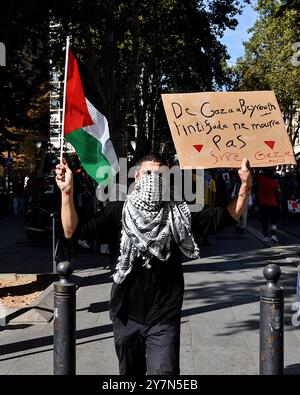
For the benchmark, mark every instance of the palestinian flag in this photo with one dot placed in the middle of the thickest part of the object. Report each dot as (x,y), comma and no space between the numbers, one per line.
(85,127)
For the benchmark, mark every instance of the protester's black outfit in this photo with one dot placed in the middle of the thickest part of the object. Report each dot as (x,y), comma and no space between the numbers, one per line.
(146,307)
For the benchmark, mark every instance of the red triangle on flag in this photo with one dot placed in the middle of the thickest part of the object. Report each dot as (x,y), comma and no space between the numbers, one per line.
(270,143)
(198,147)
(76,113)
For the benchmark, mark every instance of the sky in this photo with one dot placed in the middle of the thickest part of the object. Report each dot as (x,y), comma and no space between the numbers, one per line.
(233,39)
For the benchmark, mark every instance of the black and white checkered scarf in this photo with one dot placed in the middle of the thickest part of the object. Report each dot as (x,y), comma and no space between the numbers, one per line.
(149,225)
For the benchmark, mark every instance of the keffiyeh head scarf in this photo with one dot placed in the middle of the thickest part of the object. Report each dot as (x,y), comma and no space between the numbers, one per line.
(150,224)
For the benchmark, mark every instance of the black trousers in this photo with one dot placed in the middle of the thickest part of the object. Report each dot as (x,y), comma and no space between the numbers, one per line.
(269,214)
(145,349)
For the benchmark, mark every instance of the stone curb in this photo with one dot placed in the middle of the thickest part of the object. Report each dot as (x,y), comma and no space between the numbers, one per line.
(40,311)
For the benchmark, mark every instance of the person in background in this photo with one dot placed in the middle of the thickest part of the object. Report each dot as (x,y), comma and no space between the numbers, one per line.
(2,198)
(222,198)
(288,188)
(33,190)
(268,201)
(18,193)
(210,192)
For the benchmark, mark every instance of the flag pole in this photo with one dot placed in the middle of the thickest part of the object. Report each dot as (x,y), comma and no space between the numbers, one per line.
(64,99)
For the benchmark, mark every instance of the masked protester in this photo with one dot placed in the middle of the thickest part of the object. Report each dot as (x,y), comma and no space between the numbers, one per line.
(147,236)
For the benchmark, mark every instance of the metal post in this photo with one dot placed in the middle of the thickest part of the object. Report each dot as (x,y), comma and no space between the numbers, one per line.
(64,322)
(271,323)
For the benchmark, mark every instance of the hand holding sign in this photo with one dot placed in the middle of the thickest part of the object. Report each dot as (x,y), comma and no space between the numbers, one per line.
(245,173)
(237,206)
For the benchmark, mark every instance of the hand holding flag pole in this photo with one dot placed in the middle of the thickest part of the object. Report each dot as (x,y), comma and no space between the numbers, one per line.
(64,99)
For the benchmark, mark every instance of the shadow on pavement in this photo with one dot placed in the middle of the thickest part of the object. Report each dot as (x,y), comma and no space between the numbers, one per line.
(48,340)
(96,307)
(292,369)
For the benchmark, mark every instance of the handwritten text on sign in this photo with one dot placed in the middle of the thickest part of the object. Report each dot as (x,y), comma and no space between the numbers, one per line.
(219,129)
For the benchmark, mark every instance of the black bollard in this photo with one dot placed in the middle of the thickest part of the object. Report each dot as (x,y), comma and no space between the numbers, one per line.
(271,323)
(64,360)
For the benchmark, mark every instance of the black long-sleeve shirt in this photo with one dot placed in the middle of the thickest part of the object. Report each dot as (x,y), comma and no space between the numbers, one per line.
(156,294)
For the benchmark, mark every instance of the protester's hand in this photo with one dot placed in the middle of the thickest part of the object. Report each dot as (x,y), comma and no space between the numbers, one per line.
(245,173)
(64,177)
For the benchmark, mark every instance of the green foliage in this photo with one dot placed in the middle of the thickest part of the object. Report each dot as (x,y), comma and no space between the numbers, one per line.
(24,93)
(136,50)
(267,64)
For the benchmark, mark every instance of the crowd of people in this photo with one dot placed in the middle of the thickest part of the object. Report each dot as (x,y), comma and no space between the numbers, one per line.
(18,193)
(272,194)
(273,191)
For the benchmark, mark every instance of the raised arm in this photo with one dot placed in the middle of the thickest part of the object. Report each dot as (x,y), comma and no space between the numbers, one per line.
(237,206)
(64,180)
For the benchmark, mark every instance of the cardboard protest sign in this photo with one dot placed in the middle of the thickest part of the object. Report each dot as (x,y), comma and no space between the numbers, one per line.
(219,129)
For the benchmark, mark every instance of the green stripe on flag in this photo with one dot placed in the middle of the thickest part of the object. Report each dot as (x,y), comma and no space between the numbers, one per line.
(90,153)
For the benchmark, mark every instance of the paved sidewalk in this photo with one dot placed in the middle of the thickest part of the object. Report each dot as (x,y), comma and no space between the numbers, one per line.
(220,317)
(18,254)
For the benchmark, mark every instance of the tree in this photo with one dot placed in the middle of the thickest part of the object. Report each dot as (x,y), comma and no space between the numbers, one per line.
(136,50)
(24,93)
(268,65)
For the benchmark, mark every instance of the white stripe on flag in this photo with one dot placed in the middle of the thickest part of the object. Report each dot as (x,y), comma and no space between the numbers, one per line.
(100,131)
